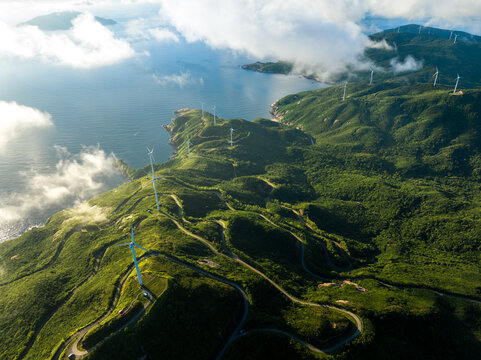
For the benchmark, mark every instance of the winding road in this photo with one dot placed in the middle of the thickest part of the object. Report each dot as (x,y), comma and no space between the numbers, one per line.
(72,343)
(232,257)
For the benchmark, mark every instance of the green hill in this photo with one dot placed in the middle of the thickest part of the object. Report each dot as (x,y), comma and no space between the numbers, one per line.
(432,48)
(349,215)
(412,129)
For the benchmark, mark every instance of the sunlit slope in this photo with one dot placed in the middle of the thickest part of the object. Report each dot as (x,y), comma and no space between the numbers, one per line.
(415,129)
(307,222)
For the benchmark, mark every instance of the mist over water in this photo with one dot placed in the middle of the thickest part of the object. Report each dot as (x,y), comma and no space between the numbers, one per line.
(120,110)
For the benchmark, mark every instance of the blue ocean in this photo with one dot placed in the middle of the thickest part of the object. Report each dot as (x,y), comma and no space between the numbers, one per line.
(120,109)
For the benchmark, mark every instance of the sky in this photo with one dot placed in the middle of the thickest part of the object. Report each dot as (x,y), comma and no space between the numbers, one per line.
(321,36)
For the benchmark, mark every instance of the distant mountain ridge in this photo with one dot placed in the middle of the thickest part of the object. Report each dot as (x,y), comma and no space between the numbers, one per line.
(442,33)
(60,21)
(431,47)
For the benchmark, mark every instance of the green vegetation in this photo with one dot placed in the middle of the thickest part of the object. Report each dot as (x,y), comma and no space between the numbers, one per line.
(369,205)
(432,48)
(279,67)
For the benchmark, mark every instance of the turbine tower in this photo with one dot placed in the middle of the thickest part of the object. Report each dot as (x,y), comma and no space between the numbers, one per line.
(455,38)
(202,109)
(420,29)
(450,35)
(231,131)
(151,156)
(214,114)
(132,246)
(344,95)
(372,73)
(436,76)
(456,86)
(188,147)
(398,30)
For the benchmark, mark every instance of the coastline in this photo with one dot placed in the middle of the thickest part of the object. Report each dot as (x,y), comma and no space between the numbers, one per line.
(168,128)
(249,67)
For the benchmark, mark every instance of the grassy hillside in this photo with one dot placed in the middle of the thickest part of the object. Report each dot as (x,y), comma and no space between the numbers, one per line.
(374,210)
(279,67)
(434,49)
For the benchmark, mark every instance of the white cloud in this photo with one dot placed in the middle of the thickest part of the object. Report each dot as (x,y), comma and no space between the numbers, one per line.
(15,119)
(383,45)
(163,35)
(84,213)
(75,179)
(88,44)
(314,36)
(181,80)
(322,36)
(143,29)
(408,65)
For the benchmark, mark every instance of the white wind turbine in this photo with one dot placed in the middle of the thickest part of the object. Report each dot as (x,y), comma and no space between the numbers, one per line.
(436,76)
(188,147)
(344,95)
(457,82)
(455,38)
(132,245)
(231,132)
(214,114)
(151,156)
(372,73)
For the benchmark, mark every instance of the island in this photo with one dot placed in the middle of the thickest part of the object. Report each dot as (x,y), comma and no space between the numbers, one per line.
(59,21)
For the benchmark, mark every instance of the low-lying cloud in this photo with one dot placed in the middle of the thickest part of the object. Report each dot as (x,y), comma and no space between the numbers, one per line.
(409,64)
(319,36)
(181,80)
(88,44)
(316,37)
(15,119)
(162,35)
(75,179)
(143,29)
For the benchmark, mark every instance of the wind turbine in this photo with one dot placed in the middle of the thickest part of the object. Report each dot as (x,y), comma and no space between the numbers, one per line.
(151,156)
(214,114)
(398,30)
(202,109)
(372,73)
(132,245)
(455,38)
(436,76)
(231,131)
(450,35)
(188,147)
(420,29)
(456,86)
(344,95)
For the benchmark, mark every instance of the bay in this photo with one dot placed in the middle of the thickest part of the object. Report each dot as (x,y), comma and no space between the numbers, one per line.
(121,108)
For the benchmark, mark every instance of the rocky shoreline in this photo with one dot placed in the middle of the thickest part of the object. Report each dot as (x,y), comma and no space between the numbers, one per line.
(168,128)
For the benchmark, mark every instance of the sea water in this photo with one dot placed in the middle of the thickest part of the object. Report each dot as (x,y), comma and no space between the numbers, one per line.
(121,109)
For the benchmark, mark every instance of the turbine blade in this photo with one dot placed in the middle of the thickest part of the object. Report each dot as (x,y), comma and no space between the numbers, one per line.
(140,247)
